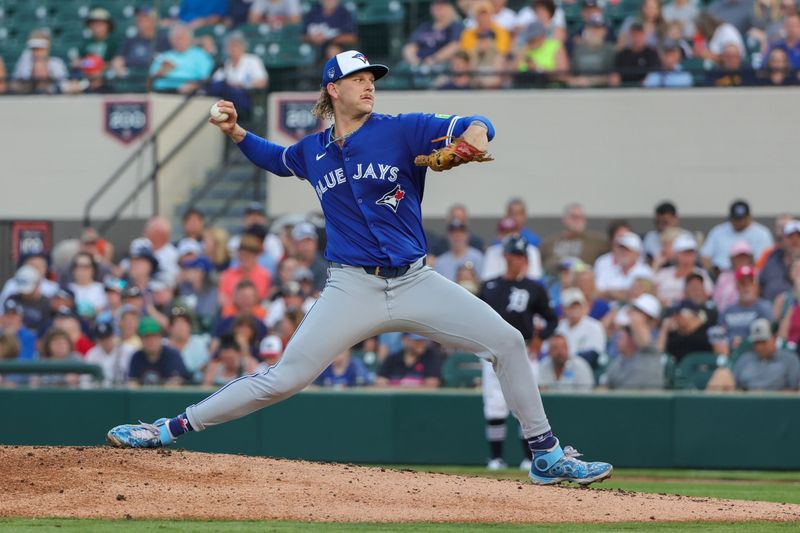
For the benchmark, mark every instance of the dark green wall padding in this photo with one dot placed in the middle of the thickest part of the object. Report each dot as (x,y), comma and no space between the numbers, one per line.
(674,430)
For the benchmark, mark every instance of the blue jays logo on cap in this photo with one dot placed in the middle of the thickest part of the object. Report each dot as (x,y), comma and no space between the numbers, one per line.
(347,63)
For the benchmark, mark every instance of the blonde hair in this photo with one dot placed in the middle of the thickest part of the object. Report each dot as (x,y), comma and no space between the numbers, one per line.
(324,107)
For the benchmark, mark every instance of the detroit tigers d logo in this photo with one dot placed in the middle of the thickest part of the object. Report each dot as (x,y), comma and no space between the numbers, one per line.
(392,198)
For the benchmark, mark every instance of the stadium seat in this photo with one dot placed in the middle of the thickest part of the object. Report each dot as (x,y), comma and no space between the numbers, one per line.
(668,364)
(694,370)
(462,370)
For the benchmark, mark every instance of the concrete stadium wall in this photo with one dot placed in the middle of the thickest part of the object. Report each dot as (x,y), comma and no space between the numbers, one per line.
(56,154)
(619,152)
(670,430)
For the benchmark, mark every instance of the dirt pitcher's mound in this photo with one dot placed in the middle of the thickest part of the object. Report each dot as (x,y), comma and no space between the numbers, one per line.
(111,483)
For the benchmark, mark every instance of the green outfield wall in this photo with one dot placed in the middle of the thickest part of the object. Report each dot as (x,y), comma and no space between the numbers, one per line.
(441,427)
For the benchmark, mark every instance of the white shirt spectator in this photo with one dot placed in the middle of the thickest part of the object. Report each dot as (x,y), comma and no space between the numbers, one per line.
(47,287)
(724,35)
(586,336)
(249,70)
(610,277)
(447,264)
(670,288)
(277,309)
(167,257)
(94,293)
(577,376)
(276,8)
(114,364)
(718,244)
(527,16)
(506,19)
(494,263)
(195,354)
(55,67)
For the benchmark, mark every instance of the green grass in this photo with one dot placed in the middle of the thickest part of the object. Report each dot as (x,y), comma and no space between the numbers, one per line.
(163,526)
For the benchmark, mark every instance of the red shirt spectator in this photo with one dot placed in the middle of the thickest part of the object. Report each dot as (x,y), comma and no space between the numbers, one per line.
(250,247)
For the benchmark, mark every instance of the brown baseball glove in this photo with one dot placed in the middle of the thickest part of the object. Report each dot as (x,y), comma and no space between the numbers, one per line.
(456,153)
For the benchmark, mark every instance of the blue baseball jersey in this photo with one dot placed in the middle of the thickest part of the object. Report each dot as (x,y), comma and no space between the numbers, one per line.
(369,189)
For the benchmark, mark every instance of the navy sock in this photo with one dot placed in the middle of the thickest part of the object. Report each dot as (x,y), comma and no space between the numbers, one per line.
(545,441)
(179,425)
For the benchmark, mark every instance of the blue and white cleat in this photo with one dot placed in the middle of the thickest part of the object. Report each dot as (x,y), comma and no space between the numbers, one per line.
(141,435)
(556,465)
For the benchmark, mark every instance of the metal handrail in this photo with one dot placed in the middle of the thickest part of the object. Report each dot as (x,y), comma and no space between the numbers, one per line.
(50,367)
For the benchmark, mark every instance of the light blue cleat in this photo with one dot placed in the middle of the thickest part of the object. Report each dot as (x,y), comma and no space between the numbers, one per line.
(556,465)
(141,435)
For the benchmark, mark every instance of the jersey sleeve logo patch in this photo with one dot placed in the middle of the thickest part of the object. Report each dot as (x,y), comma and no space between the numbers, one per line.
(392,198)
(439,115)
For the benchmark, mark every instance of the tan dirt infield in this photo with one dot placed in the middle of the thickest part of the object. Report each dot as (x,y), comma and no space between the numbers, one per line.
(102,482)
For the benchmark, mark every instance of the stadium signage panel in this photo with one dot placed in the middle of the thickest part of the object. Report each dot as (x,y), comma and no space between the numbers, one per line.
(295,118)
(30,237)
(126,121)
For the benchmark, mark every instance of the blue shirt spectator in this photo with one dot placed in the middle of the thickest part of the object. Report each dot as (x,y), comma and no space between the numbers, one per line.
(329,22)
(181,68)
(156,363)
(671,73)
(791,43)
(137,51)
(436,41)
(200,12)
(344,371)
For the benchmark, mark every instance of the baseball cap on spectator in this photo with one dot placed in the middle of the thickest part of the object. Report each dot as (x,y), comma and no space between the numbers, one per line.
(64,312)
(85,309)
(695,275)
(149,326)
(741,248)
(596,20)
(303,273)
(142,248)
(189,246)
(271,347)
(145,10)
(793,226)
(255,207)
(92,65)
(760,330)
(128,309)
(102,15)
(648,304)
(456,225)
(251,243)
(507,225)
(160,284)
(572,295)
(304,230)
(487,34)
(131,291)
(685,305)
(534,30)
(64,293)
(26,279)
(631,241)
(744,272)
(103,330)
(636,25)
(739,210)
(670,44)
(568,263)
(203,263)
(11,306)
(684,243)
(516,245)
(38,43)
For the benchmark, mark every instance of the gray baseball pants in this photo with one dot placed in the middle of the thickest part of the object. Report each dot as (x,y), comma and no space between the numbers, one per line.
(354,306)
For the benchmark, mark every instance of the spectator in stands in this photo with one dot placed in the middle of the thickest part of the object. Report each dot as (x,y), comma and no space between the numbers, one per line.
(345,371)
(732,71)
(737,13)
(128,325)
(215,245)
(202,12)
(459,252)
(790,42)
(546,12)
(592,54)
(665,217)
(716,36)
(685,330)
(671,280)
(159,232)
(653,24)
(39,262)
(159,300)
(739,227)
(684,12)
(671,74)
(289,323)
(275,13)
(307,252)
(777,71)
(329,23)
(562,372)
(84,286)
(767,22)
(582,277)
(434,43)
(196,290)
(494,265)
(101,41)
(11,325)
(637,59)
(787,307)
(184,66)
(639,363)
(69,321)
(36,70)
(573,241)
(774,275)
(518,211)
(766,367)
(138,51)
(101,251)
(193,348)
(725,290)
(503,16)
(35,306)
(270,351)
(156,363)
(230,362)
(467,277)
(487,62)
(9,348)
(245,302)
(57,346)
(585,335)
(590,9)
(460,76)
(419,365)
(438,245)
(540,53)
(250,247)
(193,224)
(92,78)
(112,356)
(615,276)
(142,264)
(483,11)
(736,319)
(241,73)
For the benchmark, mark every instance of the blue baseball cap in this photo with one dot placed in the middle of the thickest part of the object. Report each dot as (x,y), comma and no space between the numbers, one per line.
(347,63)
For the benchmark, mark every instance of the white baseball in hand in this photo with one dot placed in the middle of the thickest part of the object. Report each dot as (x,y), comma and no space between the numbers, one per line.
(217,115)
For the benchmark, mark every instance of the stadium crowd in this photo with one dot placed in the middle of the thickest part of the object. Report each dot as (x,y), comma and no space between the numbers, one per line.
(617,311)
(220,46)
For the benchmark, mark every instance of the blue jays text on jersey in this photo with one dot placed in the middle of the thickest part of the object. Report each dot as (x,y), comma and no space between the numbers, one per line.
(369,188)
